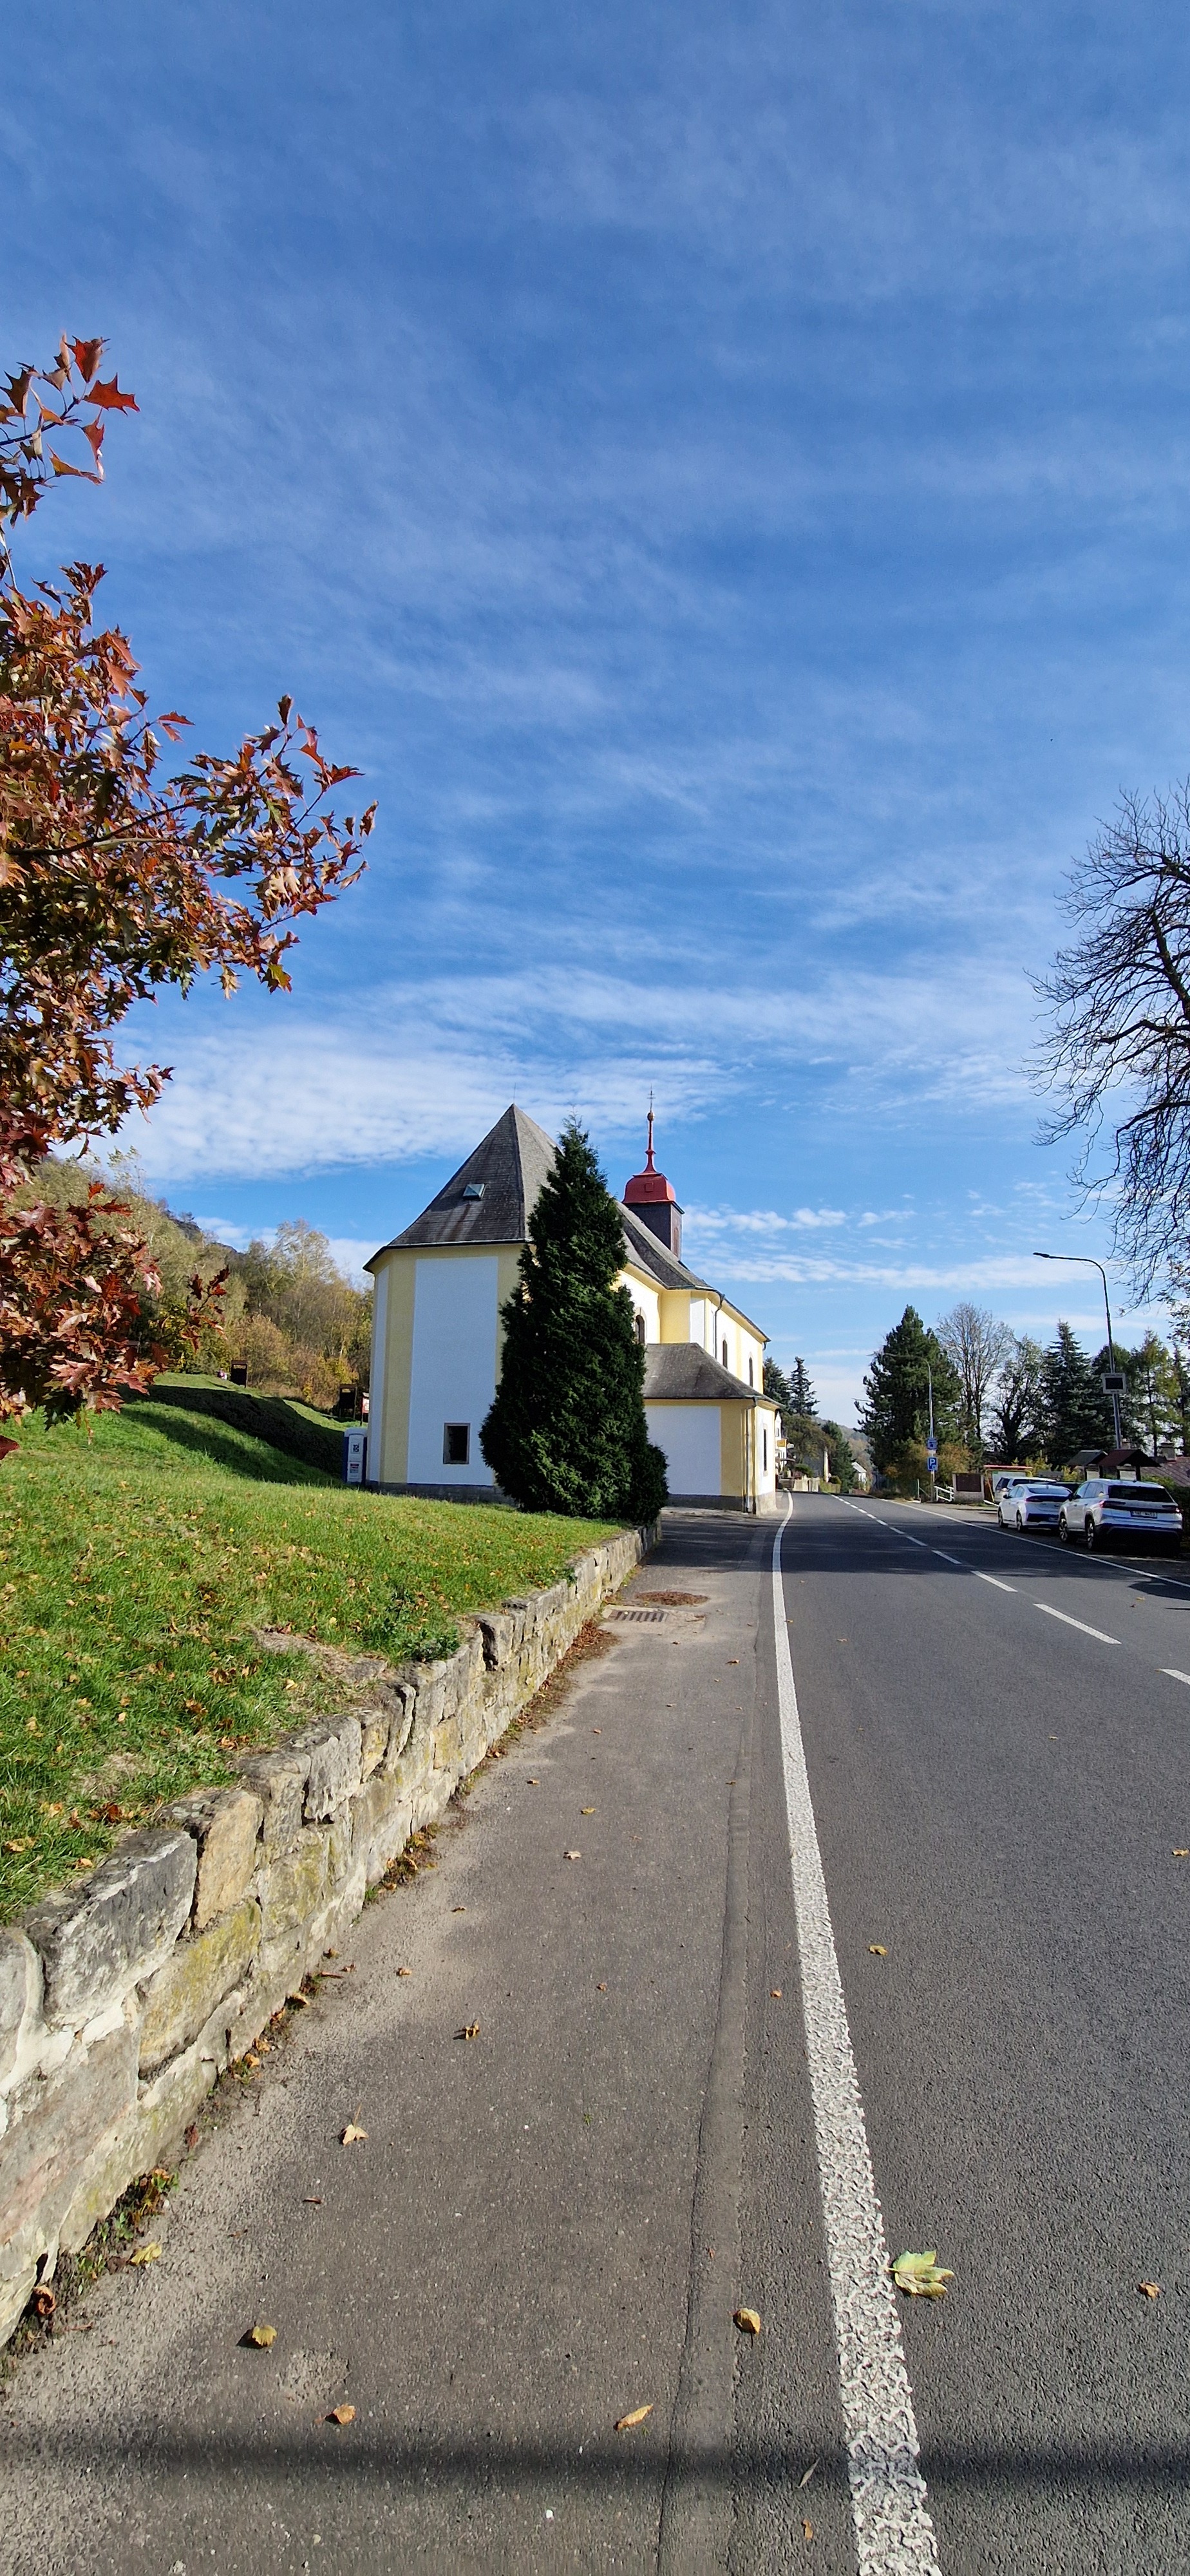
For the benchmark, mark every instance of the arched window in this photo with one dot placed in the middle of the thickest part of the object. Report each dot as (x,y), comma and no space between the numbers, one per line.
(751,1377)
(640,1330)
(725,1355)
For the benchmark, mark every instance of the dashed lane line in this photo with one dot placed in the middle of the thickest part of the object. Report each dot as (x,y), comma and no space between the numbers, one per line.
(894,2534)
(948,1560)
(1172,1673)
(1068,1622)
(993,1579)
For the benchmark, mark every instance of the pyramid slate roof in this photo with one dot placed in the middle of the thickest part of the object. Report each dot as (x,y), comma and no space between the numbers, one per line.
(515,1157)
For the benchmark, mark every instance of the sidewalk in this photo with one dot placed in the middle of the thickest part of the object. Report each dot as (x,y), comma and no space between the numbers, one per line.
(503,2267)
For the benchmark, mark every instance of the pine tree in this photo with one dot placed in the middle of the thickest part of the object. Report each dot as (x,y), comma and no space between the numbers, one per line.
(567,1429)
(776,1384)
(1076,1412)
(804,1399)
(896,1387)
(842,1456)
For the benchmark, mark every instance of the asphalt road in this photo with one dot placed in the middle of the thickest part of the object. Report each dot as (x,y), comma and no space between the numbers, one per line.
(550,2225)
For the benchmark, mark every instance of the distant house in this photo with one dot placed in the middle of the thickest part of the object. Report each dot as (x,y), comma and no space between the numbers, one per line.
(436,1335)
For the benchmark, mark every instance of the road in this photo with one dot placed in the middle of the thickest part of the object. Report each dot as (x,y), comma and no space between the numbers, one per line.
(982,1745)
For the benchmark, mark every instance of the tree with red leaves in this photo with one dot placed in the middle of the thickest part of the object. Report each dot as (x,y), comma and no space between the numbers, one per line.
(115,879)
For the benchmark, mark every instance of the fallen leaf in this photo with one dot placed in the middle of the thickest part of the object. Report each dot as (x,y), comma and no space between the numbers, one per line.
(261,2336)
(586,1811)
(748,2320)
(340,2415)
(532,1784)
(877,1949)
(1182,1855)
(458,1909)
(146,2254)
(192,2134)
(43,2301)
(470,2030)
(775,1994)
(351,2135)
(807,2529)
(733,1659)
(601,1990)
(312,2200)
(574,1855)
(628,2423)
(1149,2289)
(807,2474)
(404,1972)
(918,2275)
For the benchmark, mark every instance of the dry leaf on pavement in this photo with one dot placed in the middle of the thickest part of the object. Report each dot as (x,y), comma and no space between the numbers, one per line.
(748,2320)
(574,1855)
(351,2135)
(586,1811)
(1149,2289)
(404,1972)
(775,1994)
(807,2529)
(877,1950)
(340,2415)
(628,2423)
(146,2254)
(261,2336)
(919,2277)
(470,2030)
(807,2474)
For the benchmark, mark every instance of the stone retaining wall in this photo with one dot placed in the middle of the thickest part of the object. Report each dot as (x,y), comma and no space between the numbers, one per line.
(123,1995)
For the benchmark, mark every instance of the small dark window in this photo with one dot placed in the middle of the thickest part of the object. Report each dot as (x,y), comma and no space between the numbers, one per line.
(474,1190)
(640,1329)
(764,1451)
(456,1444)
(725,1355)
(751,1378)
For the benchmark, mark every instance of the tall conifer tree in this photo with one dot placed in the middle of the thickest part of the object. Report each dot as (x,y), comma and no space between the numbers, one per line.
(896,1390)
(1077,1412)
(567,1429)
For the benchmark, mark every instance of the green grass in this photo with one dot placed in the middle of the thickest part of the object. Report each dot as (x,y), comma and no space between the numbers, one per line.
(138,1554)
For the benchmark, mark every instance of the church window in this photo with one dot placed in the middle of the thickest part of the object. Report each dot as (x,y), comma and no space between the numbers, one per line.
(640,1329)
(764,1452)
(725,1355)
(456,1444)
(474,1190)
(751,1376)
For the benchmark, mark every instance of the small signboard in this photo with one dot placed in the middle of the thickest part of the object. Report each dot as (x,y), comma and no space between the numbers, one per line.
(932,1457)
(355,1456)
(1114,1382)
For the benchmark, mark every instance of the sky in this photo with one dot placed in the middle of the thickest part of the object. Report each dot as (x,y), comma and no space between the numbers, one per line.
(723,476)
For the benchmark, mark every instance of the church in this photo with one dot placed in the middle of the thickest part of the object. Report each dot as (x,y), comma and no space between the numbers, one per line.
(436,1336)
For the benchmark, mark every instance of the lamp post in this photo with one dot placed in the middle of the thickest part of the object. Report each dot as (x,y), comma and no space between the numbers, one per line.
(1090,1263)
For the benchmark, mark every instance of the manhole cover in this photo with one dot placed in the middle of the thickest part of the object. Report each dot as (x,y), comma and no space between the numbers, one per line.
(656,1616)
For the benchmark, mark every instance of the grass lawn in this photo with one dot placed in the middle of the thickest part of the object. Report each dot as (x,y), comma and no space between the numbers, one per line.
(137,1555)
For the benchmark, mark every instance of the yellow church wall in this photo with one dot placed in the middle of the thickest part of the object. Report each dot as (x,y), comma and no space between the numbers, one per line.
(388,1436)
(645,1299)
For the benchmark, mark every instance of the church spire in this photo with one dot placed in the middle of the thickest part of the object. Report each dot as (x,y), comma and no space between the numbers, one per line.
(653,1199)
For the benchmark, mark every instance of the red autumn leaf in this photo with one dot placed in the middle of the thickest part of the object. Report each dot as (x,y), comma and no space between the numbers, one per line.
(110,398)
(86,355)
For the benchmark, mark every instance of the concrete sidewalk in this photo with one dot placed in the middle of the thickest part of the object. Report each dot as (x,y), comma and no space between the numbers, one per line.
(518,2253)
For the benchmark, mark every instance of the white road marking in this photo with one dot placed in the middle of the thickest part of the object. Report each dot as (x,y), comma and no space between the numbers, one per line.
(909,1542)
(947,1560)
(1174,1674)
(1068,1622)
(994,1578)
(893,2529)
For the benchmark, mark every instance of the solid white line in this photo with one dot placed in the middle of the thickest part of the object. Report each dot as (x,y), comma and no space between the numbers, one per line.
(1068,1622)
(893,2530)
(994,1578)
(1174,1674)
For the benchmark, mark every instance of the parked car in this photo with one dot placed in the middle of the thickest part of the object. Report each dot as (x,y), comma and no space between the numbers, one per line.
(1031,1502)
(1100,1513)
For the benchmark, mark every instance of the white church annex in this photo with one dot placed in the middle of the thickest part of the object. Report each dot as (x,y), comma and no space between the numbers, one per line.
(436,1336)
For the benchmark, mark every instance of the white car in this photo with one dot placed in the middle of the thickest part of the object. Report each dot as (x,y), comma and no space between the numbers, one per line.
(1031,1502)
(1099,1513)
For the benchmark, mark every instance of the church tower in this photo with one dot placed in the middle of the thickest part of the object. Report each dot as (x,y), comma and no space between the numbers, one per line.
(651,1198)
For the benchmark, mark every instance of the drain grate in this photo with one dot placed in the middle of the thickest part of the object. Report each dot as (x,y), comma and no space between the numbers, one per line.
(655,1617)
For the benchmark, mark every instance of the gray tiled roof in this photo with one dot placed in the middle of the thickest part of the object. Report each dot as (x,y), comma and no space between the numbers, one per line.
(653,1255)
(688,1375)
(512,1162)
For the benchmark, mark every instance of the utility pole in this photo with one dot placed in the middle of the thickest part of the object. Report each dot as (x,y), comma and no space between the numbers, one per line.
(932,1445)
(1112,1382)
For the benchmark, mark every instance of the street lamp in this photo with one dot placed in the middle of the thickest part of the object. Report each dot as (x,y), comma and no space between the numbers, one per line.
(1091,1264)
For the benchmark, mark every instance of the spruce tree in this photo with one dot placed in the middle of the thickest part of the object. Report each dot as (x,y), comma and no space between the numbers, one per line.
(897,1407)
(567,1429)
(804,1399)
(776,1384)
(1077,1413)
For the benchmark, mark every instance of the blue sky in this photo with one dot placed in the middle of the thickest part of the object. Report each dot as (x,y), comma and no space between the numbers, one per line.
(724,476)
